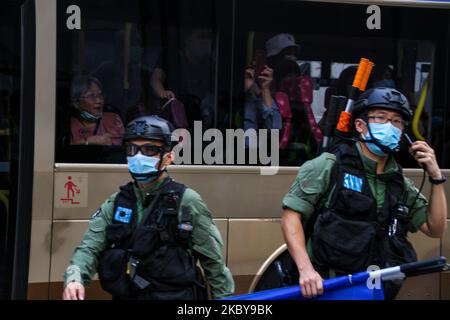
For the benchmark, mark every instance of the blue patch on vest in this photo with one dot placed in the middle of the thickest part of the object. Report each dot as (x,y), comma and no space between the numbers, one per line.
(123,214)
(353,182)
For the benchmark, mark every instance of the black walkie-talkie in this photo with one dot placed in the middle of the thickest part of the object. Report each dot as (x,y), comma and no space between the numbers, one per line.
(423,176)
(410,142)
(408,138)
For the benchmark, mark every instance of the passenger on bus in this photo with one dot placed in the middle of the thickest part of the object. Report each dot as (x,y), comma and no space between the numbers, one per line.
(146,239)
(295,81)
(260,111)
(157,81)
(125,73)
(89,124)
(382,77)
(353,208)
(282,55)
(191,77)
(171,110)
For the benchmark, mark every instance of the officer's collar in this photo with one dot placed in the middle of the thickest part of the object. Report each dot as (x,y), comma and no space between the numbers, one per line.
(370,165)
(143,192)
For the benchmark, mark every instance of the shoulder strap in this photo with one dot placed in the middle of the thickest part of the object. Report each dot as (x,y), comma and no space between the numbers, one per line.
(125,199)
(171,186)
(146,213)
(152,204)
(345,151)
(172,192)
(174,195)
(309,228)
(185,227)
(395,196)
(126,193)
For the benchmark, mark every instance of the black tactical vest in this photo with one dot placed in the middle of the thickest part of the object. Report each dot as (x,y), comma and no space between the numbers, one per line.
(352,233)
(150,260)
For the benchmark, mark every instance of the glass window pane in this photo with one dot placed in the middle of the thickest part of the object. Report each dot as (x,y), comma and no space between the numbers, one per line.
(10,73)
(134,58)
(312,61)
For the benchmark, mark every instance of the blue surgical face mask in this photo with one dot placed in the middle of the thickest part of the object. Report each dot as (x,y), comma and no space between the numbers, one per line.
(386,134)
(143,168)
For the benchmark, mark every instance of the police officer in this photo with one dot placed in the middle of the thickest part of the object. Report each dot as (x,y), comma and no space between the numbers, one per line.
(356,203)
(146,239)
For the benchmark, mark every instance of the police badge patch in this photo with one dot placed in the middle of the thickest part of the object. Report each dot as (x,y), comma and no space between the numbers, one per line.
(123,214)
(353,182)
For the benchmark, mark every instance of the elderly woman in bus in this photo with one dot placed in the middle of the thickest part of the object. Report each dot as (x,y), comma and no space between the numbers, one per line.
(89,124)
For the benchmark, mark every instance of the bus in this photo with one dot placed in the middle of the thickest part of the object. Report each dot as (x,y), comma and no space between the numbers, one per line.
(201,51)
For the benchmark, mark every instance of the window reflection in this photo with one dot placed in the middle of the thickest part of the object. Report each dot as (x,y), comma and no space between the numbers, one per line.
(193,61)
(132,59)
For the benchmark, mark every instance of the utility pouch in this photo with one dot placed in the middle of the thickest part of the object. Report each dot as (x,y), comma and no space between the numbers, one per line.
(400,251)
(112,271)
(342,244)
(118,232)
(171,266)
(354,204)
(148,240)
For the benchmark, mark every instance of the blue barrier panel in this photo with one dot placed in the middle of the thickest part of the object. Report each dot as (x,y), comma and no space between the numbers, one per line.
(352,287)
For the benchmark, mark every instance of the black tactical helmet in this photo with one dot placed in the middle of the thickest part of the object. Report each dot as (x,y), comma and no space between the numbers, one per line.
(386,98)
(150,127)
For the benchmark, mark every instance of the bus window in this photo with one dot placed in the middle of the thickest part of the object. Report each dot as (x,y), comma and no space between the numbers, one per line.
(134,58)
(208,65)
(407,57)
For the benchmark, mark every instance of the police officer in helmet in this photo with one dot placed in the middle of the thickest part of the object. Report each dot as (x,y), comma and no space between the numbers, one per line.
(355,205)
(146,239)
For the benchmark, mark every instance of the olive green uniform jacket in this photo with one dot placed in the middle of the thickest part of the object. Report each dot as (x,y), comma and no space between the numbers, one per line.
(206,242)
(313,180)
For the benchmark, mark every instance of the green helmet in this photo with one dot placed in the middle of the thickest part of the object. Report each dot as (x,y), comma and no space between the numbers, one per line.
(151,128)
(385,98)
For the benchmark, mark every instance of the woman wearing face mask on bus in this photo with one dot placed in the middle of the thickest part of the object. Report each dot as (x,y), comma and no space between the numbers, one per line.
(89,124)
